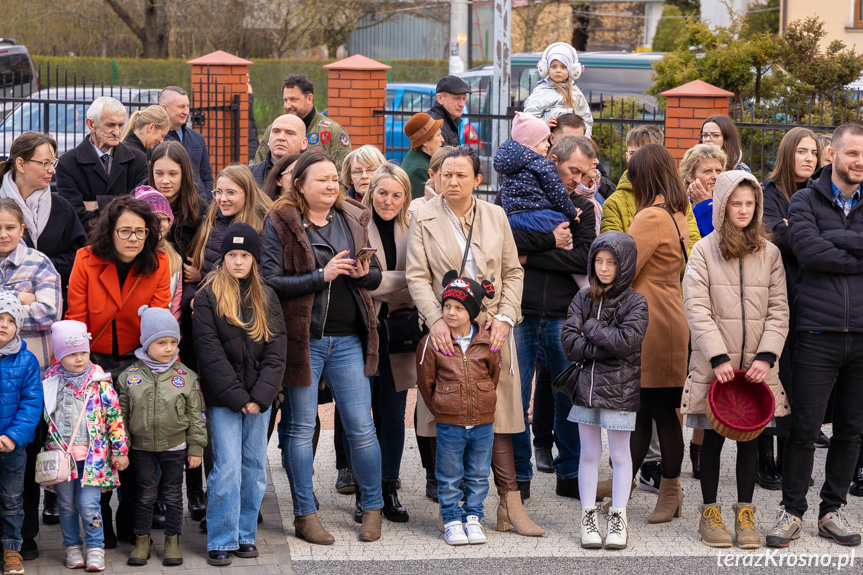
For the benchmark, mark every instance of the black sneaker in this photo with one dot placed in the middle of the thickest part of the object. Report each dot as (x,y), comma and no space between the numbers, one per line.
(822,441)
(855,490)
(650,476)
(567,487)
(29,549)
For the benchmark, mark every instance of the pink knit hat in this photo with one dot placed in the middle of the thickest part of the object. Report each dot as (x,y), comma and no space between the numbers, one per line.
(68,337)
(155,199)
(529,130)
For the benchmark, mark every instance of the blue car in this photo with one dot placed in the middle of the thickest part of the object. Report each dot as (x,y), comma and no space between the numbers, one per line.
(413,98)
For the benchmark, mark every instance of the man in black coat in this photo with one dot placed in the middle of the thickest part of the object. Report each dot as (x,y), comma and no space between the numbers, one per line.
(175,101)
(287,137)
(101,167)
(451,96)
(825,221)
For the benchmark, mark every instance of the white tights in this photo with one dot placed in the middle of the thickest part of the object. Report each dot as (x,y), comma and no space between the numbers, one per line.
(588,465)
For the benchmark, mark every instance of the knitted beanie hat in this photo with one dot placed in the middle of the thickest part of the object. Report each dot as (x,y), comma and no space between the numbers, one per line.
(529,130)
(466,291)
(157,322)
(242,237)
(155,199)
(68,337)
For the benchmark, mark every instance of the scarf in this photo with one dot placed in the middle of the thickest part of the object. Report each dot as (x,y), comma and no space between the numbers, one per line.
(155,366)
(11,348)
(36,208)
(590,194)
(77,382)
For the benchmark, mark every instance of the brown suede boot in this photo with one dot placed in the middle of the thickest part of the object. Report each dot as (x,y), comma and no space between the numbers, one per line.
(603,489)
(607,505)
(744,526)
(670,502)
(370,530)
(711,528)
(511,513)
(309,527)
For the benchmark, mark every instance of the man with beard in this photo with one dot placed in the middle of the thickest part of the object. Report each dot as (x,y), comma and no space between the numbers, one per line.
(825,221)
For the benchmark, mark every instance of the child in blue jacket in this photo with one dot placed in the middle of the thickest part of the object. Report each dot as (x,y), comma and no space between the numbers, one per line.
(20,410)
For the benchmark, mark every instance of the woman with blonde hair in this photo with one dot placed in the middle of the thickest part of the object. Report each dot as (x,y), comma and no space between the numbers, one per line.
(146,129)
(357,169)
(699,168)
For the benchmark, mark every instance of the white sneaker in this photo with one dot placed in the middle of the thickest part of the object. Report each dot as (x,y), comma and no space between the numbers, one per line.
(590,536)
(473,527)
(95,559)
(454,533)
(74,557)
(617,536)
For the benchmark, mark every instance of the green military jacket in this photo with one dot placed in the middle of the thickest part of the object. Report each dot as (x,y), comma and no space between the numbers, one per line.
(323,134)
(161,411)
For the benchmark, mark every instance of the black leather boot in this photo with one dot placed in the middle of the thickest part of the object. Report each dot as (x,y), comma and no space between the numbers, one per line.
(197,504)
(393,509)
(431,485)
(857,483)
(358,509)
(108,521)
(768,475)
(50,510)
(524,489)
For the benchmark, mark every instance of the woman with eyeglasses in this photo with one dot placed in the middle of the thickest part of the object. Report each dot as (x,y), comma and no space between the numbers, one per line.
(357,170)
(720,131)
(51,225)
(119,270)
(700,167)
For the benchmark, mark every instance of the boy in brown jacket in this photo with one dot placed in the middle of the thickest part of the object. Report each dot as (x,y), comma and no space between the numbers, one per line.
(460,390)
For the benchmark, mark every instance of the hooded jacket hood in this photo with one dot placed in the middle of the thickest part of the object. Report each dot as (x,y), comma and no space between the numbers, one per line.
(726,183)
(622,247)
(512,157)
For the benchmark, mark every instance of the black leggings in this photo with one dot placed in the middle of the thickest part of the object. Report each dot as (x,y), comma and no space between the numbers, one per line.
(670,439)
(747,466)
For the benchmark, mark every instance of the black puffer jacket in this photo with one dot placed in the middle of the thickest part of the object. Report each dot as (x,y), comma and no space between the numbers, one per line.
(609,347)
(238,369)
(449,128)
(829,249)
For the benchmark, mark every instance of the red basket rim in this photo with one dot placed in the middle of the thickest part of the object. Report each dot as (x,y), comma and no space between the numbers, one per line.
(720,417)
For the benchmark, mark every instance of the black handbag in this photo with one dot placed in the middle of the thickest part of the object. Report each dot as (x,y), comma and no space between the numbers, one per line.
(567,382)
(400,332)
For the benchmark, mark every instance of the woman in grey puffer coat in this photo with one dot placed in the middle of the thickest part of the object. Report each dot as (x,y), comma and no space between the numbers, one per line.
(603,332)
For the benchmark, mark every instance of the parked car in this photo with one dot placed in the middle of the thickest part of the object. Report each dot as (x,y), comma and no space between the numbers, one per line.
(61,112)
(18,75)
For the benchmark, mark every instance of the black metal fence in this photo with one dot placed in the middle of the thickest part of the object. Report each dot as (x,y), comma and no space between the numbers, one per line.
(216,114)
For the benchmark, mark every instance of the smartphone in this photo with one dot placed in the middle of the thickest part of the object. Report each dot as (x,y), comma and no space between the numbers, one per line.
(366,253)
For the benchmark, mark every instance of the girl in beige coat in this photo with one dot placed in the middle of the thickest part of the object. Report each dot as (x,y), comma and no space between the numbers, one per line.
(436,245)
(736,306)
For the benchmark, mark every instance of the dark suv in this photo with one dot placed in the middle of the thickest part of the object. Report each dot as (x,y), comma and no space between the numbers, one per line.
(18,75)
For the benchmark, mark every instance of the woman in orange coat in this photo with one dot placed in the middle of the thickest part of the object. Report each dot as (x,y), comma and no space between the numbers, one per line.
(119,270)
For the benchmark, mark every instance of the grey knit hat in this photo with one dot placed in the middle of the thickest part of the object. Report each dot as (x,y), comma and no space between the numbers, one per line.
(157,322)
(10,304)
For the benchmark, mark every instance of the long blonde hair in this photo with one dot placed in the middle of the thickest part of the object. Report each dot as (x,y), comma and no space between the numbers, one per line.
(175,262)
(253,213)
(140,119)
(392,172)
(565,89)
(226,288)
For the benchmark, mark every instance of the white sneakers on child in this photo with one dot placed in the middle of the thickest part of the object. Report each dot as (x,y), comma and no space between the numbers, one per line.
(473,528)
(454,533)
(95,559)
(590,536)
(74,557)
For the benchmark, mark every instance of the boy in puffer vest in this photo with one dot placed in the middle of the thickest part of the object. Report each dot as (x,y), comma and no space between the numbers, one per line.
(164,412)
(460,390)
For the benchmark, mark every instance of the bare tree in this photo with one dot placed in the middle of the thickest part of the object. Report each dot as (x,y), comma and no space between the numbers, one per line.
(153,32)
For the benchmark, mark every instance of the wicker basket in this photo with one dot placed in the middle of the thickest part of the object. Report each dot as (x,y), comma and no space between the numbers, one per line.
(739,409)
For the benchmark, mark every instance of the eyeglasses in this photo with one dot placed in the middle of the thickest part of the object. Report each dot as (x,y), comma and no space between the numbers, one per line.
(360,171)
(230,194)
(710,136)
(287,173)
(46,164)
(165,220)
(127,233)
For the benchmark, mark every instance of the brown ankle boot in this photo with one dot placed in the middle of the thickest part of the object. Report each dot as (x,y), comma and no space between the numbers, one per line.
(744,526)
(309,527)
(670,502)
(370,530)
(511,513)
(607,505)
(711,528)
(603,489)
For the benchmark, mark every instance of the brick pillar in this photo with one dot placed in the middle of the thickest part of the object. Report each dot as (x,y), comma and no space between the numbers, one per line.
(686,108)
(357,86)
(220,97)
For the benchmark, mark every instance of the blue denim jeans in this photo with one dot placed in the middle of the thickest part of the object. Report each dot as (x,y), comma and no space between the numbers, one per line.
(463,453)
(388,409)
(340,360)
(236,485)
(74,501)
(531,334)
(12,497)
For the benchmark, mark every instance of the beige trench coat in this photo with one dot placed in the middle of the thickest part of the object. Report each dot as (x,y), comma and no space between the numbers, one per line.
(433,251)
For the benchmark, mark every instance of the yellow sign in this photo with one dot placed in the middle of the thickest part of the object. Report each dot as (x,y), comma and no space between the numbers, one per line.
(462,38)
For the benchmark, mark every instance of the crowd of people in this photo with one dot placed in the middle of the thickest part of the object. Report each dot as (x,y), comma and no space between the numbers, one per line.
(158,323)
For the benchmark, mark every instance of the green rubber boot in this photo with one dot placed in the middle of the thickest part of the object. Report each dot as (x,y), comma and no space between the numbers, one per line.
(141,553)
(172,551)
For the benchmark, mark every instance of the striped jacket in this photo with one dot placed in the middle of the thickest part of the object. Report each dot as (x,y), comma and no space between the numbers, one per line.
(30,271)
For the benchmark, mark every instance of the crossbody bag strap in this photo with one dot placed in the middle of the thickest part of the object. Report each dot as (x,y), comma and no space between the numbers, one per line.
(467,243)
(679,235)
(125,299)
(78,424)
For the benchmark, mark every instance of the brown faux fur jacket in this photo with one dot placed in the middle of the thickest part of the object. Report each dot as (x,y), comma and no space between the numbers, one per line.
(299,258)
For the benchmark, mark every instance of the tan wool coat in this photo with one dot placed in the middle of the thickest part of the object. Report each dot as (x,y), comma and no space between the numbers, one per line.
(433,251)
(660,263)
(394,292)
(734,307)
